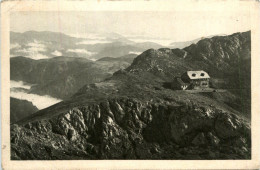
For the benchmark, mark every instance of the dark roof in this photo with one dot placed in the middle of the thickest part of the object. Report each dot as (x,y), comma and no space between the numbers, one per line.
(179,80)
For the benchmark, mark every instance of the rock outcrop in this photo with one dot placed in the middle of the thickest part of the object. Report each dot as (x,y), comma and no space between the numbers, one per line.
(132,129)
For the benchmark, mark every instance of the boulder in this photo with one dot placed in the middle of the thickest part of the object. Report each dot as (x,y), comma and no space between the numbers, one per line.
(213,139)
(227,126)
(199,140)
(72,135)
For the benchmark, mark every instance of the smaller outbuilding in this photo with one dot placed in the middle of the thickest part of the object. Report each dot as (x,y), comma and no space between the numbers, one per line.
(178,84)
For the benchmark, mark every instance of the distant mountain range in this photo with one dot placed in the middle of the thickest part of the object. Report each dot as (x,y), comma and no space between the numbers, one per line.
(42,45)
(59,64)
(183,44)
(134,114)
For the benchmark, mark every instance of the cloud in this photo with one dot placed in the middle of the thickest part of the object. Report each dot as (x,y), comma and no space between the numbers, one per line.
(19,84)
(15,45)
(88,36)
(83,51)
(135,52)
(37,56)
(30,54)
(96,41)
(92,59)
(56,53)
(91,38)
(163,42)
(40,102)
(36,46)
(32,50)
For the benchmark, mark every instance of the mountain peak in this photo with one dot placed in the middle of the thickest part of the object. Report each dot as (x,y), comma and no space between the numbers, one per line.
(219,52)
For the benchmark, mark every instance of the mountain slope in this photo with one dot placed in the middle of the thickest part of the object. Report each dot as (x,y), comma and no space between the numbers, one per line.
(45,70)
(118,51)
(183,44)
(19,109)
(134,115)
(213,55)
(226,58)
(61,77)
(58,77)
(126,58)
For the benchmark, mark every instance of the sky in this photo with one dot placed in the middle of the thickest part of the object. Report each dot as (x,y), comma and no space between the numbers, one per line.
(177,26)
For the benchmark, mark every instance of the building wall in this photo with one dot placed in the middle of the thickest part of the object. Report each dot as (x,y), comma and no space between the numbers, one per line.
(191,84)
(200,83)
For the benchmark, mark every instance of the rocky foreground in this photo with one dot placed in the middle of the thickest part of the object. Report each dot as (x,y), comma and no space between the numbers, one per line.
(130,129)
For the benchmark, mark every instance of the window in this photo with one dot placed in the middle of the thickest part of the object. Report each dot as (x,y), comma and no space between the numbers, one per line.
(193,75)
(202,74)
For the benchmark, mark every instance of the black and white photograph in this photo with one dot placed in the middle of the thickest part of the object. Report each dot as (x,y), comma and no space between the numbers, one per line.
(130,85)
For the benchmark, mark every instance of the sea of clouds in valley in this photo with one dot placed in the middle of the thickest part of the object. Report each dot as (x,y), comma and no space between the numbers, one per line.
(37,49)
(20,90)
